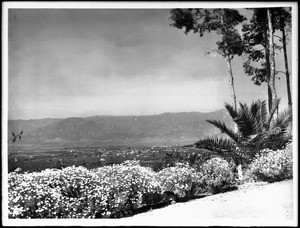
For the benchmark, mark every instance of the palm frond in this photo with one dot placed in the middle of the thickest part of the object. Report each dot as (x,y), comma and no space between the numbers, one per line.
(264,110)
(246,123)
(263,115)
(281,126)
(271,115)
(260,113)
(283,120)
(220,146)
(224,129)
(232,112)
(255,111)
(255,107)
(257,130)
(276,139)
(275,130)
(243,106)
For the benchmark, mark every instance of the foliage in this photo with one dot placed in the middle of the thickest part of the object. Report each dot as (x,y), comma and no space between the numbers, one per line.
(218,175)
(170,159)
(272,166)
(197,156)
(128,183)
(221,21)
(255,39)
(76,192)
(54,193)
(256,46)
(259,47)
(180,179)
(256,130)
(121,189)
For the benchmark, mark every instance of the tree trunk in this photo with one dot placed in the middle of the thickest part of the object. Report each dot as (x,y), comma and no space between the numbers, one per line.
(240,172)
(231,82)
(271,81)
(287,74)
(267,56)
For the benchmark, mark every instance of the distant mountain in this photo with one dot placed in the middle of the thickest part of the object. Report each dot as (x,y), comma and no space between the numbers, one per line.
(164,129)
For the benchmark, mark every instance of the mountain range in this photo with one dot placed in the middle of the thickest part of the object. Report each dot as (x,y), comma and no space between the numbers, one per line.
(165,129)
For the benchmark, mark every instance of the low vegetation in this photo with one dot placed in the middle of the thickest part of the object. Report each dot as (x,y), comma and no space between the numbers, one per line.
(218,175)
(38,159)
(256,130)
(272,166)
(119,190)
(114,185)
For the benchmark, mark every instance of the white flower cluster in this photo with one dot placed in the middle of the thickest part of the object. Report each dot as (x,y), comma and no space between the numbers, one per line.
(273,166)
(76,192)
(217,175)
(116,190)
(179,179)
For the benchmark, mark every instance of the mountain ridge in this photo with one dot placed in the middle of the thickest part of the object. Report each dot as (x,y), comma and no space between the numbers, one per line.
(56,118)
(165,129)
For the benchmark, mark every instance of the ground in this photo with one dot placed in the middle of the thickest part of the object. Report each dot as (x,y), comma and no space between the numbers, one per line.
(258,204)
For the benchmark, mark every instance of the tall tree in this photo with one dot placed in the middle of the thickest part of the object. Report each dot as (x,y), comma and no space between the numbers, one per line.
(282,19)
(271,80)
(258,36)
(221,21)
(255,36)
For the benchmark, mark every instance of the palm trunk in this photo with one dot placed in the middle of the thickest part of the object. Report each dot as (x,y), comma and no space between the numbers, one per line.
(240,172)
(287,74)
(271,81)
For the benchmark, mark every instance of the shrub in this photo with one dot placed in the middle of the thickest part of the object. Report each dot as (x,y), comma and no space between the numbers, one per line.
(181,179)
(76,192)
(218,175)
(73,192)
(256,129)
(130,184)
(28,198)
(198,157)
(272,166)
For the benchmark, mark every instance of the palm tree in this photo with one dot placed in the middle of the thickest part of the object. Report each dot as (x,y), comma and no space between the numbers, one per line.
(256,130)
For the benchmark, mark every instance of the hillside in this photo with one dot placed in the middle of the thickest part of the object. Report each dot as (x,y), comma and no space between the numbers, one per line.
(164,129)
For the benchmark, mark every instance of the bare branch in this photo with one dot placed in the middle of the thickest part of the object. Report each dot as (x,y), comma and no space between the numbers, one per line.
(279,71)
(279,37)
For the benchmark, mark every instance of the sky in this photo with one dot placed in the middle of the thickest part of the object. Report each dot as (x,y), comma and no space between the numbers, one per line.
(85,62)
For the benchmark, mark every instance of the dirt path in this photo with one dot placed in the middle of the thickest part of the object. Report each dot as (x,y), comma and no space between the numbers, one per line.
(266,204)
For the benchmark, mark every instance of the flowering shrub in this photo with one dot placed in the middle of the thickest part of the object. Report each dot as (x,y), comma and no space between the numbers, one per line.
(109,191)
(181,179)
(217,175)
(272,166)
(73,192)
(129,184)
(76,192)
(28,198)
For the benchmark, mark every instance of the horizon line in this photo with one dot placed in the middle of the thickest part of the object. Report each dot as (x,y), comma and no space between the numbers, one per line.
(105,115)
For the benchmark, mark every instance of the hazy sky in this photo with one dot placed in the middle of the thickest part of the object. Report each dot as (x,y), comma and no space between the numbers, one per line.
(84,62)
